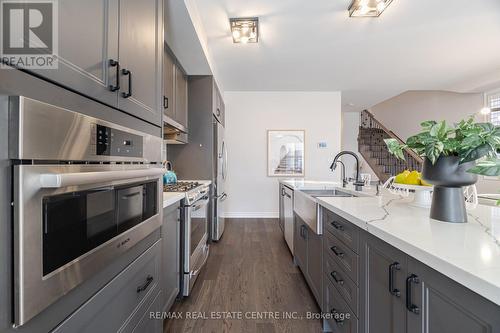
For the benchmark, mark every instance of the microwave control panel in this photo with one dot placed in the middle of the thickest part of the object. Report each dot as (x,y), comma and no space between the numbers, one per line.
(113,142)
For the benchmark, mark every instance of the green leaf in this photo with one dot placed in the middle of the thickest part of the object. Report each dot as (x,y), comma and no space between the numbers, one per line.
(488,167)
(473,154)
(434,150)
(395,148)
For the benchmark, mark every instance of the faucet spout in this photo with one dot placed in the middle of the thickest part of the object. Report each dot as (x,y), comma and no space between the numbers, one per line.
(358,183)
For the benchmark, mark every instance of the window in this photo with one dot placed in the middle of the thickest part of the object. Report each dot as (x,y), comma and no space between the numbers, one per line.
(494,105)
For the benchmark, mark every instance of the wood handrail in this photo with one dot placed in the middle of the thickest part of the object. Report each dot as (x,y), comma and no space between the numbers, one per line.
(394,136)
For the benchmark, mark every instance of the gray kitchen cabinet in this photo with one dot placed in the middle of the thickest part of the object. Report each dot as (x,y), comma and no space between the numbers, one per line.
(168,84)
(175,86)
(300,244)
(181,97)
(147,324)
(87,51)
(121,304)
(315,264)
(288,217)
(141,54)
(170,263)
(308,249)
(438,304)
(219,107)
(383,272)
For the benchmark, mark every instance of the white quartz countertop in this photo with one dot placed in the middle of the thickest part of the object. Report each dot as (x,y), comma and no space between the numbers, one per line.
(468,253)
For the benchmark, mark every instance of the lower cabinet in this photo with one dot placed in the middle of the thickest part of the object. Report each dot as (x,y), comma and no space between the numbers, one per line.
(308,254)
(124,302)
(401,294)
(438,304)
(170,263)
(383,272)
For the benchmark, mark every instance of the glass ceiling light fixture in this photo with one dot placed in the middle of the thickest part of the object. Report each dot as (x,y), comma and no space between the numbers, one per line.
(245,30)
(368,8)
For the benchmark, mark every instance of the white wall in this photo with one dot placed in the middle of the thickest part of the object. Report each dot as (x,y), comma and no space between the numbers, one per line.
(251,193)
(404,113)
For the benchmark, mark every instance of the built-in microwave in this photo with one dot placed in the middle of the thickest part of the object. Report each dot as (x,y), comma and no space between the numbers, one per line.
(84,192)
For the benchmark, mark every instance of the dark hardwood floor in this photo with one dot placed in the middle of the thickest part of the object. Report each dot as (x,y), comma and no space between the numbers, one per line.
(250,272)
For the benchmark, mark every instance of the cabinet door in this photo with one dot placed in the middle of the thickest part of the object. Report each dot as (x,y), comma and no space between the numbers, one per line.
(288,213)
(315,263)
(170,231)
(146,323)
(382,302)
(88,41)
(141,52)
(168,85)
(181,97)
(300,244)
(439,304)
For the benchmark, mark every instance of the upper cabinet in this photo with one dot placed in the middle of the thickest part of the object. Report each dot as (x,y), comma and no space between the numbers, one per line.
(87,51)
(175,93)
(219,106)
(141,47)
(111,51)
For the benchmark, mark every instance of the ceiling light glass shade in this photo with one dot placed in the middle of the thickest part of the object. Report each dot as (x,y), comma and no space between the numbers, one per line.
(245,30)
(368,8)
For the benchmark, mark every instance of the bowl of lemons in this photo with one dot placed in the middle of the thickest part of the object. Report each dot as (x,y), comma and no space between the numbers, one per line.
(409,183)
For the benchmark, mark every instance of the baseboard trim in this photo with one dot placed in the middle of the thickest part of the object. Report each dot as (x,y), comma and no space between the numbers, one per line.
(262,215)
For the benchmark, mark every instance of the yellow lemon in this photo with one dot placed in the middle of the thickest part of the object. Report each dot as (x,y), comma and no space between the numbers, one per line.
(424,183)
(401,178)
(413,178)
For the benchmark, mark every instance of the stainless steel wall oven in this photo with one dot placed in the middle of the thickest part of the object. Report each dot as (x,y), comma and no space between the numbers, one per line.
(84,191)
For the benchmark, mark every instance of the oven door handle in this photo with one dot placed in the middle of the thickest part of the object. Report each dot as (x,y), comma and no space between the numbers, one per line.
(58,180)
(200,203)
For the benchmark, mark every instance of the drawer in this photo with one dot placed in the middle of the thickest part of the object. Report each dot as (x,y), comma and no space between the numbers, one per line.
(342,229)
(343,283)
(121,299)
(345,257)
(338,314)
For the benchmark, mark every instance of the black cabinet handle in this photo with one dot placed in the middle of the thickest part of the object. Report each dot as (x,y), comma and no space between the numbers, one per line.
(165,102)
(392,269)
(129,73)
(145,286)
(114,63)
(336,278)
(218,112)
(337,226)
(283,192)
(337,252)
(303,231)
(409,302)
(338,319)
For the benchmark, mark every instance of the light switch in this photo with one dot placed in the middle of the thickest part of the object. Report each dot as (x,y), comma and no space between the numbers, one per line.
(322,145)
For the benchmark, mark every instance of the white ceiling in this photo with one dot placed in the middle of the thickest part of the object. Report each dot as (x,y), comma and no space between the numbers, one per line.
(314,46)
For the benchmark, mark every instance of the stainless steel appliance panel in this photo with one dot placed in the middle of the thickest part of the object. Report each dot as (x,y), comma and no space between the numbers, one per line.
(35,290)
(40,131)
(221,175)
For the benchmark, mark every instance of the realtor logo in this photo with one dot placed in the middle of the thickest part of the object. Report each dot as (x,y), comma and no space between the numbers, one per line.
(29,33)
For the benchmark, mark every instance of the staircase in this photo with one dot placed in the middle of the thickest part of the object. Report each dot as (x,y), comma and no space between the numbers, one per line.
(372,147)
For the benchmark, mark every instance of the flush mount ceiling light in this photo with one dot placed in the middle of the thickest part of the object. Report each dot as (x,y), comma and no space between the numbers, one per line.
(245,30)
(368,8)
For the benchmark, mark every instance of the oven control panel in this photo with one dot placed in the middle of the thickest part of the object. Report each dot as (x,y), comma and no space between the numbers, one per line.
(113,142)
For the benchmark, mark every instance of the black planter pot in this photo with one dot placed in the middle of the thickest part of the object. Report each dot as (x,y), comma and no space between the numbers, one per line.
(448,177)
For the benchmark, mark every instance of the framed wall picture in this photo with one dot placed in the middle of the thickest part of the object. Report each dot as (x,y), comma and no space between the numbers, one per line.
(285,153)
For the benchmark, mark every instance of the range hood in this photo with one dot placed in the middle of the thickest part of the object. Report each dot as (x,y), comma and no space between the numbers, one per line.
(174,133)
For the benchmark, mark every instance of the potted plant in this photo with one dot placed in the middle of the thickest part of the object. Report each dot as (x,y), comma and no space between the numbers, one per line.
(453,157)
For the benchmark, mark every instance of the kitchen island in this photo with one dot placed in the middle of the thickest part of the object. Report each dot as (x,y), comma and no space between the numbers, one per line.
(389,268)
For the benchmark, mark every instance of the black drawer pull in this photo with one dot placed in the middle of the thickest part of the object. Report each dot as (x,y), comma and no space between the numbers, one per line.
(392,268)
(145,286)
(409,302)
(114,63)
(165,102)
(337,226)
(338,253)
(338,317)
(129,73)
(336,278)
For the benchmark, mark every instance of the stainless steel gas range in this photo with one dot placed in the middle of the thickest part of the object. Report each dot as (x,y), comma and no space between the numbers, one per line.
(194,236)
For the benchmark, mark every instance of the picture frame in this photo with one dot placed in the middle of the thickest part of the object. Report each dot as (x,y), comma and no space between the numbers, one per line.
(286,153)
